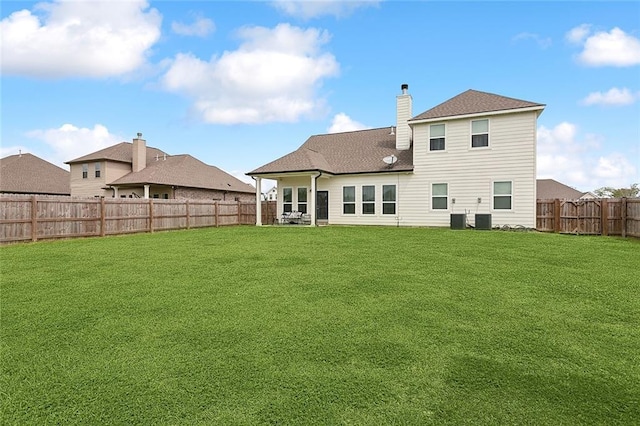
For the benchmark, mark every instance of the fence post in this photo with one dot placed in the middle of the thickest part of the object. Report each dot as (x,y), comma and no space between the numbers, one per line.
(604,217)
(103,219)
(556,215)
(187,204)
(151,215)
(34,218)
(215,208)
(239,215)
(623,213)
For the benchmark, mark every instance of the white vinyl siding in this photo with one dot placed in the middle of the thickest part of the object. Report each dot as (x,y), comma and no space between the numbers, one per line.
(469,174)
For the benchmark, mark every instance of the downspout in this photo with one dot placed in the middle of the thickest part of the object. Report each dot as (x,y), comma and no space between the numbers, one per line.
(315,198)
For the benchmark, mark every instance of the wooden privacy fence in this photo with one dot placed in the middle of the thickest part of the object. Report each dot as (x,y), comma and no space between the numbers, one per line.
(600,216)
(32,218)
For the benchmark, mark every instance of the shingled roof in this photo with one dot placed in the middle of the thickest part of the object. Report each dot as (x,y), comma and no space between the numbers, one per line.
(474,102)
(184,170)
(552,189)
(122,152)
(28,174)
(343,153)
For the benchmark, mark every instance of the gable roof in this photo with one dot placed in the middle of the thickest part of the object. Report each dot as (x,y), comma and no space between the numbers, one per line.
(548,189)
(122,152)
(28,174)
(360,151)
(475,102)
(186,171)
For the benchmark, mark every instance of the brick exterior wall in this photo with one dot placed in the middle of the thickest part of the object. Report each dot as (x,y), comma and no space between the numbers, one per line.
(211,194)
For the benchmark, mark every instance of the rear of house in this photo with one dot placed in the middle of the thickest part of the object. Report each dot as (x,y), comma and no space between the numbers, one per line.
(475,153)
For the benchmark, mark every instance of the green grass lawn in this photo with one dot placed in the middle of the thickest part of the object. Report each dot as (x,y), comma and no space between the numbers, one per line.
(332,325)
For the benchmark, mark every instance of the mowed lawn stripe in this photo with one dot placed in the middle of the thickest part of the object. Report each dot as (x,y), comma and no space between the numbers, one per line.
(330,325)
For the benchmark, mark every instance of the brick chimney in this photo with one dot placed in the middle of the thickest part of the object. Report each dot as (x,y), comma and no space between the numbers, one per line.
(139,153)
(403,114)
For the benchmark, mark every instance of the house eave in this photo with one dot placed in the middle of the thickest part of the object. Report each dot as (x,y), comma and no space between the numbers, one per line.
(477,114)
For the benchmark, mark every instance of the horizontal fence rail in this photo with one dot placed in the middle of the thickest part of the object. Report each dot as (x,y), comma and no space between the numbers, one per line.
(598,216)
(35,217)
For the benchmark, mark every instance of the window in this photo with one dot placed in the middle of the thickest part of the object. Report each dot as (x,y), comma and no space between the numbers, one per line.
(85,171)
(439,196)
(479,133)
(436,137)
(502,193)
(349,200)
(302,200)
(388,199)
(156,195)
(287,199)
(368,199)
(165,196)
(97,169)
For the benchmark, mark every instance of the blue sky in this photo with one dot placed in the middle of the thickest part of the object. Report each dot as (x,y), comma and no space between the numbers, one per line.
(239,84)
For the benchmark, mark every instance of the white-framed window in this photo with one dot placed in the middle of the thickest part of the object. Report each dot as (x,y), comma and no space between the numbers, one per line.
(502,195)
(388,199)
(480,133)
(97,170)
(85,171)
(436,137)
(302,199)
(439,196)
(287,199)
(349,200)
(368,199)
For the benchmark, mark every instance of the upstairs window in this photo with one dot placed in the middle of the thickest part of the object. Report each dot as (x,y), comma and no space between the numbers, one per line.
(439,196)
(85,171)
(368,199)
(349,200)
(479,133)
(436,137)
(287,199)
(302,200)
(388,199)
(97,169)
(502,195)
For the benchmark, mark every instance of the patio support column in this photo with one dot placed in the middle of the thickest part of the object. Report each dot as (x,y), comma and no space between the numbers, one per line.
(312,201)
(258,201)
(146,191)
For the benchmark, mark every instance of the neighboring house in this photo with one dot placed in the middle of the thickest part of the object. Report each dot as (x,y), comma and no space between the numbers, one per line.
(475,153)
(28,174)
(549,189)
(133,170)
(271,195)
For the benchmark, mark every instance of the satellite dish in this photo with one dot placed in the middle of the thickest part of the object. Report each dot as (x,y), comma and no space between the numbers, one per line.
(390,160)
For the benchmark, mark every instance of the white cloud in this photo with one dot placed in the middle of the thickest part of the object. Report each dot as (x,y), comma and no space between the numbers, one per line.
(78,38)
(542,42)
(313,9)
(272,77)
(614,48)
(578,34)
(69,142)
(576,160)
(614,96)
(201,27)
(343,123)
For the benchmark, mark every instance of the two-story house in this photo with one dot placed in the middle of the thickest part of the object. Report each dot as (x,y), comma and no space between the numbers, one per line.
(133,170)
(474,153)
